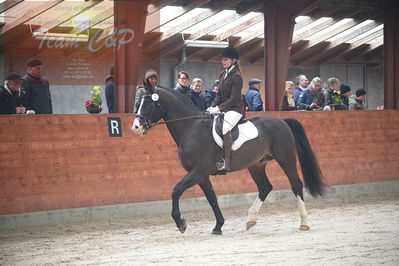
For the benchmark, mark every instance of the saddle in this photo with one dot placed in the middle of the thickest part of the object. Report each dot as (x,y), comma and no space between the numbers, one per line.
(244,130)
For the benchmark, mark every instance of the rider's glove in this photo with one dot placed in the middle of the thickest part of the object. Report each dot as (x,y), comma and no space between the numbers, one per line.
(214,110)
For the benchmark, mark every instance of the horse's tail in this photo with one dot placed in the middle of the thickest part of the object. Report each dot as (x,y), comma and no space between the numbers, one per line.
(310,167)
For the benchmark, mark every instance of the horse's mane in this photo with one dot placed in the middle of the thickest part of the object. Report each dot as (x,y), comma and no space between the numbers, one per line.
(181,97)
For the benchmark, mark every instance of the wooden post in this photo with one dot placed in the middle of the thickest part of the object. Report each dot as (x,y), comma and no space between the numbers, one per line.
(279,25)
(391,55)
(128,15)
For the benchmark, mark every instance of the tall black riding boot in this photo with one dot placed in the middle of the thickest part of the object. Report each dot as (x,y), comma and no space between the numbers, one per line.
(224,165)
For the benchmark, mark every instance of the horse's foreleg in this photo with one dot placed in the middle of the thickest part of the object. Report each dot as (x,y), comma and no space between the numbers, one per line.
(188,181)
(210,195)
(258,174)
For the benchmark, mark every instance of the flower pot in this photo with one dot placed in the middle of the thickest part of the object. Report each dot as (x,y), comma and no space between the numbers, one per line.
(94,110)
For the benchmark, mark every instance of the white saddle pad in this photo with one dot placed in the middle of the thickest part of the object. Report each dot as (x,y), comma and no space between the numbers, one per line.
(247,131)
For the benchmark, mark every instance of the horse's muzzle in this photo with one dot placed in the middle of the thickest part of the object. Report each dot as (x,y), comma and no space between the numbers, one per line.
(138,127)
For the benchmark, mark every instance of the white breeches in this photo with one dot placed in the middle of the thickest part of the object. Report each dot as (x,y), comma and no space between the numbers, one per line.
(231,119)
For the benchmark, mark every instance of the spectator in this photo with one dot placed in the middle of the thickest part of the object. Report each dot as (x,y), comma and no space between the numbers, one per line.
(109,90)
(312,98)
(331,93)
(196,96)
(182,84)
(345,92)
(149,82)
(289,103)
(356,102)
(301,85)
(37,88)
(12,99)
(252,97)
(211,94)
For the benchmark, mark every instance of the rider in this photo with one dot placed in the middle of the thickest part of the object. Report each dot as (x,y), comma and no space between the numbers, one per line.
(229,101)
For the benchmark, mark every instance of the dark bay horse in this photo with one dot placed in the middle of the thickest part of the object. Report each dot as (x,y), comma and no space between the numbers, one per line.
(279,139)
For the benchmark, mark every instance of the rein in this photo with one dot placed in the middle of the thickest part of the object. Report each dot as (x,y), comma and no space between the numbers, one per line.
(149,125)
(180,119)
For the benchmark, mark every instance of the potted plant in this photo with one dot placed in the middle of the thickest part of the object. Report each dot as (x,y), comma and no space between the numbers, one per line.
(93,106)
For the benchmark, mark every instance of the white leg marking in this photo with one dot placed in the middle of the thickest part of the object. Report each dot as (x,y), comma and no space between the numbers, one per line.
(254,210)
(303,214)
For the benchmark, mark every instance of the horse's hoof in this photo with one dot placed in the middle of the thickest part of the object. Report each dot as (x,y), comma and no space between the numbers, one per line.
(304,228)
(183,226)
(216,232)
(250,224)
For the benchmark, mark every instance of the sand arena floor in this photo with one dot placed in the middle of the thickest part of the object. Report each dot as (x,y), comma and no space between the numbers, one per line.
(362,231)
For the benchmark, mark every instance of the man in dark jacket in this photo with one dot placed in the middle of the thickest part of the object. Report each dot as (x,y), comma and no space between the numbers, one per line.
(37,88)
(356,101)
(252,97)
(110,90)
(345,92)
(12,99)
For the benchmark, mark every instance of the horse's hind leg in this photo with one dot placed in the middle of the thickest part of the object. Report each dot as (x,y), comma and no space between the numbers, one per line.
(287,161)
(210,195)
(258,173)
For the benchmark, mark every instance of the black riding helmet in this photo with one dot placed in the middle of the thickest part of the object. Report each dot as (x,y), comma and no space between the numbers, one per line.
(230,52)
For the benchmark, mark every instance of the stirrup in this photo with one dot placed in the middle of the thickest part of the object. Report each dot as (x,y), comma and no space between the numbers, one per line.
(221,165)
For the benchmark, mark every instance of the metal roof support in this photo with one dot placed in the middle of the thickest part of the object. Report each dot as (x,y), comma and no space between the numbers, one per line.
(391,55)
(279,17)
(128,15)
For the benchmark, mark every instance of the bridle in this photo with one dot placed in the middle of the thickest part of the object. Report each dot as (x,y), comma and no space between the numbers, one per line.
(147,120)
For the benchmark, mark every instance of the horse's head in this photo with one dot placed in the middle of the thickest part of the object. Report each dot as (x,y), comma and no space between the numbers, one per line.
(149,112)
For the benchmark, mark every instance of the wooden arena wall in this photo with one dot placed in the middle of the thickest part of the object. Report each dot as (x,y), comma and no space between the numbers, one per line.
(53,162)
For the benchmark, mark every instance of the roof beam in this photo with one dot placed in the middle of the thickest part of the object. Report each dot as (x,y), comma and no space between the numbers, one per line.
(8,4)
(49,23)
(240,27)
(153,8)
(191,22)
(376,52)
(328,55)
(200,17)
(316,28)
(249,37)
(179,13)
(109,12)
(365,39)
(310,19)
(339,45)
(317,40)
(252,48)
(371,47)
(19,21)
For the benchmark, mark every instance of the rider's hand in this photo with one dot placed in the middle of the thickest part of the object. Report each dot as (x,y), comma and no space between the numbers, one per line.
(214,110)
